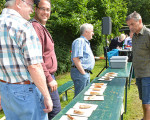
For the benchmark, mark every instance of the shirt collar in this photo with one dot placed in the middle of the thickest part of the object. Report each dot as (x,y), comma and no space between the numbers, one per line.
(34,20)
(84,39)
(141,32)
(11,11)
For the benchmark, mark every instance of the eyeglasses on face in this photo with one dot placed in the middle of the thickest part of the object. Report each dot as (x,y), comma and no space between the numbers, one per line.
(44,9)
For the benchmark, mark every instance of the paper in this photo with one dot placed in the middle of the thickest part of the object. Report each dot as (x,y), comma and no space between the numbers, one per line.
(94,98)
(64,117)
(86,113)
(93,106)
(105,77)
(113,75)
(102,79)
(91,92)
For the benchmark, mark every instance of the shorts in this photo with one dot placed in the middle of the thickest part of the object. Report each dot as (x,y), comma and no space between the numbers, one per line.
(143,85)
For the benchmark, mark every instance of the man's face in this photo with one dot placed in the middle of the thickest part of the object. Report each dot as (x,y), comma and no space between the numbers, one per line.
(134,26)
(89,34)
(26,8)
(42,12)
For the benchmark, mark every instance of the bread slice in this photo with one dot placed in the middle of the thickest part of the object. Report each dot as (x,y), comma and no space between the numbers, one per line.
(84,106)
(78,112)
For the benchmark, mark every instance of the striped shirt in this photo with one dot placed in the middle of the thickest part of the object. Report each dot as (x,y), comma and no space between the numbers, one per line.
(19,47)
(81,48)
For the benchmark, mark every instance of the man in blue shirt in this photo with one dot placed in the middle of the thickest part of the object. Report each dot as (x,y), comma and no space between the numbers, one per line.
(82,58)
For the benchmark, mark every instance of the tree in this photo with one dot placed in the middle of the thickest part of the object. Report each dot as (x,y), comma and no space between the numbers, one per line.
(2,2)
(140,6)
(68,15)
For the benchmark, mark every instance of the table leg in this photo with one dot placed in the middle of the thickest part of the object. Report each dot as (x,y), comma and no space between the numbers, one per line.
(130,77)
(122,117)
(126,94)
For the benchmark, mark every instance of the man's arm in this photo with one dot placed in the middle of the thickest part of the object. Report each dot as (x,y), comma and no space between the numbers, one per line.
(77,63)
(50,81)
(38,77)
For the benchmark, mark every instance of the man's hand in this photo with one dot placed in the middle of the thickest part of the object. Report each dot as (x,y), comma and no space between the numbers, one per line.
(0,104)
(48,105)
(53,85)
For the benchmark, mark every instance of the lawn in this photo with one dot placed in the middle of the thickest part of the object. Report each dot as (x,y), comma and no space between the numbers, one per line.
(134,108)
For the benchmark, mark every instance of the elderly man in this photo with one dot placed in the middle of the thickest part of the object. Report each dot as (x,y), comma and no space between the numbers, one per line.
(23,88)
(117,42)
(42,14)
(141,59)
(82,58)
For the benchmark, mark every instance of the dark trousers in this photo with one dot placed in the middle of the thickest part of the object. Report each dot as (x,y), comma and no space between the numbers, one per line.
(56,103)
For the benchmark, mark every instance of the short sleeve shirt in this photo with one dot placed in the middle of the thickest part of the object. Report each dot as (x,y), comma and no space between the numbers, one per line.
(19,47)
(81,49)
(141,53)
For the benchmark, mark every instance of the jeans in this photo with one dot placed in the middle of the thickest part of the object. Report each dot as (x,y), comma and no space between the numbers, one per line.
(143,85)
(56,103)
(22,102)
(80,81)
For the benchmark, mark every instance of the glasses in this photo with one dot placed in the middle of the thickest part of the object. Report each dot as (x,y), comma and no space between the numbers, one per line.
(30,4)
(44,9)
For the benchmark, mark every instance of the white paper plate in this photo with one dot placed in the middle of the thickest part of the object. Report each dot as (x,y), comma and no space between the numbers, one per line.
(101,89)
(105,84)
(93,106)
(114,75)
(64,117)
(90,90)
(95,98)
(105,77)
(87,113)
(102,79)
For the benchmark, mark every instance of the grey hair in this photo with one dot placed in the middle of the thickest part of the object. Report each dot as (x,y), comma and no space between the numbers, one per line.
(136,16)
(10,3)
(85,27)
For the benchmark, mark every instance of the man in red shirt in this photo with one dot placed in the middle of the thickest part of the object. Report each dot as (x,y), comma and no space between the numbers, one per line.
(42,14)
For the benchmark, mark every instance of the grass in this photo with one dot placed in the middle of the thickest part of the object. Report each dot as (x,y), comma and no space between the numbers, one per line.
(134,108)
(134,105)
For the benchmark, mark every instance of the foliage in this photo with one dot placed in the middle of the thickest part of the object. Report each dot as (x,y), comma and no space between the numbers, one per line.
(68,15)
(140,6)
(2,2)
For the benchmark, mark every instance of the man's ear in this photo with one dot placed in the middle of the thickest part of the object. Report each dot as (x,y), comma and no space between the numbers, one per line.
(18,3)
(140,21)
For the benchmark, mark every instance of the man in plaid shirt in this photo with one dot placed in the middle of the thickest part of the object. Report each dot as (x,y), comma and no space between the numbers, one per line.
(23,89)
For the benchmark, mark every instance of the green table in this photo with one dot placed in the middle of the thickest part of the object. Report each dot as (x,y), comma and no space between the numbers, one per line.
(110,108)
(125,73)
(122,73)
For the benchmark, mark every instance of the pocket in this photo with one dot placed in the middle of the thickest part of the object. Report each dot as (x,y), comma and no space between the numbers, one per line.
(21,92)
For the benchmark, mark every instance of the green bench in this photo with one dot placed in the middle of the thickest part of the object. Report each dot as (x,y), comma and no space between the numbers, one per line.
(65,87)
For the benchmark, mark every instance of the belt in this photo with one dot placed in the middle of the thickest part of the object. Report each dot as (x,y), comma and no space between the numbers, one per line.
(88,71)
(24,82)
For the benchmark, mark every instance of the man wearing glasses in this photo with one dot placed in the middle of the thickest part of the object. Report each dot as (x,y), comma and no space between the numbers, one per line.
(23,88)
(42,14)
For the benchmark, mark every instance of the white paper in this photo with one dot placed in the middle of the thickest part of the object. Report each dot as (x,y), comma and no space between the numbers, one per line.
(93,106)
(87,113)
(102,79)
(98,92)
(64,117)
(105,77)
(95,98)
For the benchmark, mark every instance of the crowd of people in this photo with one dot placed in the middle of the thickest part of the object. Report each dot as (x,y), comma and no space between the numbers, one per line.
(28,60)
